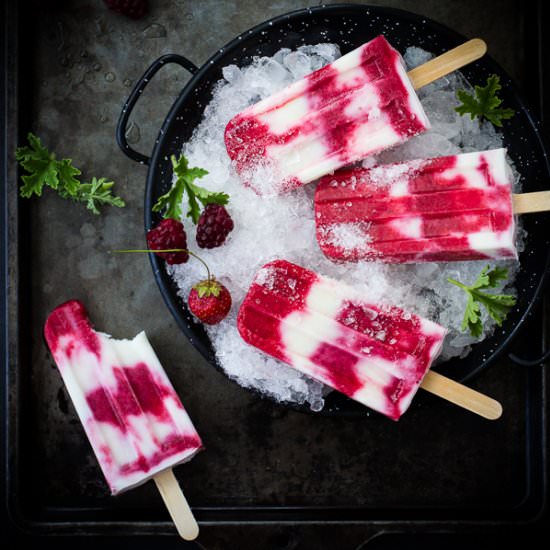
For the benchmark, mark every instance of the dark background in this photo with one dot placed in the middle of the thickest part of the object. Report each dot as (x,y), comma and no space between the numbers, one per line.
(77,63)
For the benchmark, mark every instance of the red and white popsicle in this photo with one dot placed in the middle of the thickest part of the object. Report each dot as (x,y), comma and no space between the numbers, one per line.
(439,210)
(377,355)
(356,106)
(444,209)
(130,412)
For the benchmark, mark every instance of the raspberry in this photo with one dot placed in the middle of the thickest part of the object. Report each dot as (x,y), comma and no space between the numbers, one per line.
(209,301)
(169,234)
(213,226)
(135,9)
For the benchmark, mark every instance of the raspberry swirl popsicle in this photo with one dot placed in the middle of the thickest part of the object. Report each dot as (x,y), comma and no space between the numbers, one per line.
(358,105)
(377,355)
(436,210)
(134,419)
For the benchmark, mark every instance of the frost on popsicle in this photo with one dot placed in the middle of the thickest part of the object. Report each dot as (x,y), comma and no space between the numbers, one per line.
(434,210)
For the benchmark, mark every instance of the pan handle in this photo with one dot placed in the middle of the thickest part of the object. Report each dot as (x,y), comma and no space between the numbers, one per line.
(130,103)
(529,362)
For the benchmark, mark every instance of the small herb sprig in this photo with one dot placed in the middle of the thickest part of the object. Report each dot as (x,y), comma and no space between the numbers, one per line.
(484,103)
(170,204)
(98,192)
(45,170)
(497,305)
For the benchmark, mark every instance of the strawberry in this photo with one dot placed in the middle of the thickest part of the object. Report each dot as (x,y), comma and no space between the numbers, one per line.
(209,301)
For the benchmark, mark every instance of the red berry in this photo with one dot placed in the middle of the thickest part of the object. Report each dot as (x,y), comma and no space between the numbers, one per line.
(166,235)
(209,301)
(213,226)
(135,9)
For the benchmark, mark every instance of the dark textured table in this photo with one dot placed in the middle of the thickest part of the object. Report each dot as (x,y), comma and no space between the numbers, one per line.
(85,62)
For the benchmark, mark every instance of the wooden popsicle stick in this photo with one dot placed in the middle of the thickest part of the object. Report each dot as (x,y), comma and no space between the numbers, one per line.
(525,203)
(462,396)
(177,505)
(447,63)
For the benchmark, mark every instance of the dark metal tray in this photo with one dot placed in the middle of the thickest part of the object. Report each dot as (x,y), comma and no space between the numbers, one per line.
(270,477)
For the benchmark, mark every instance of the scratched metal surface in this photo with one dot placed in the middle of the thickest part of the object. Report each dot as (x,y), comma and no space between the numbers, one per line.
(258,454)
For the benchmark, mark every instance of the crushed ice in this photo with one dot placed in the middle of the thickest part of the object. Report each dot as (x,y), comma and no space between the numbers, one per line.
(283,227)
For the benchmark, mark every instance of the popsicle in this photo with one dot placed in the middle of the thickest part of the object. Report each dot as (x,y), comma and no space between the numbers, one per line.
(377,355)
(130,412)
(358,105)
(436,210)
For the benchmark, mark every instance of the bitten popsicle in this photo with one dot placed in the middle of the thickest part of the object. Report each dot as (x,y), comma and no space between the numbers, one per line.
(437,210)
(130,412)
(358,105)
(377,355)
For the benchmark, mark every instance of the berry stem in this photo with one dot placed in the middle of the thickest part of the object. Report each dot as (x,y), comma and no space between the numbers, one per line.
(191,253)
(202,262)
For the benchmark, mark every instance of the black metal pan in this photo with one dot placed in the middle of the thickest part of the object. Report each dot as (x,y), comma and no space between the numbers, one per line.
(334,24)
